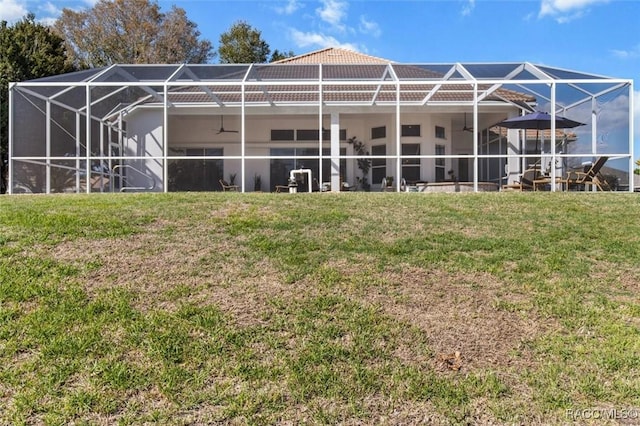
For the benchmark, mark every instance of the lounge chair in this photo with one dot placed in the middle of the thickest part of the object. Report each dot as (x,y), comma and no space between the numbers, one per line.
(227,187)
(546,183)
(526,181)
(589,176)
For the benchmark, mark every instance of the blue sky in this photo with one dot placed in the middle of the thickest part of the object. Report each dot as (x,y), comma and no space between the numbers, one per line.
(597,36)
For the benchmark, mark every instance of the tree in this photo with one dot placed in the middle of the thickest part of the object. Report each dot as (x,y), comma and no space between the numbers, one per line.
(242,44)
(278,56)
(28,50)
(131,32)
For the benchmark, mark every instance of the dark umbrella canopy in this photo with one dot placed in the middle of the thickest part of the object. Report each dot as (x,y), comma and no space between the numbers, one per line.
(538,120)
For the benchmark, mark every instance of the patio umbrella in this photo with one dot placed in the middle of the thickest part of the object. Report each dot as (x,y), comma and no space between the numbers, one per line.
(540,121)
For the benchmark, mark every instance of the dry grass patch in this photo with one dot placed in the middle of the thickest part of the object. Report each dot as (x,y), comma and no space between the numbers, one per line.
(188,266)
(460,313)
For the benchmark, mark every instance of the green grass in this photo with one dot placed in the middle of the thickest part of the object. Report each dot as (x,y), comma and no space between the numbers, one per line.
(319,308)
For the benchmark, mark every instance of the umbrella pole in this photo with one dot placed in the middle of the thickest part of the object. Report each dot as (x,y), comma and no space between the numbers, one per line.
(538,162)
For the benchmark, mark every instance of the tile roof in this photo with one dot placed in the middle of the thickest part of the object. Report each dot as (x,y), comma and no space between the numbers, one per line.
(341,71)
(340,93)
(334,55)
(371,67)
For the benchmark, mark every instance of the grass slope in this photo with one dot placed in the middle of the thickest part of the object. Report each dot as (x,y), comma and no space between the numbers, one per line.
(319,308)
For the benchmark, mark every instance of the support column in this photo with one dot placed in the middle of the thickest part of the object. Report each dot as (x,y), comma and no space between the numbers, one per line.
(475,137)
(335,152)
(120,161)
(320,129)
(594,126)
(10,128)
(102,127)
(111,177)
(398,174)
(88,142)
(594,135)
(243,141)
(631,130)
(502,169)
(552,166)
(48,148)
(78,130)
(514,147)
(165,140)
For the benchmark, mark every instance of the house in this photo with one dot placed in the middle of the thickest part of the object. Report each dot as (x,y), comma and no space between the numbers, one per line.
(186,127)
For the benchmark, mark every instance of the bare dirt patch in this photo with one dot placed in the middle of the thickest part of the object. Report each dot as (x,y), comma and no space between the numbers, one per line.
(189,265)
(460,313)
(624,280)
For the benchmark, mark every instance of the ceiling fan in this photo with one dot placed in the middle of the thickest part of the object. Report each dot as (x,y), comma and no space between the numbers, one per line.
(222,130)
(466,128)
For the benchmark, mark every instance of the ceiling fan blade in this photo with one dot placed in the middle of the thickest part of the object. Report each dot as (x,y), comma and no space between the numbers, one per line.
(466,128)
(222,130)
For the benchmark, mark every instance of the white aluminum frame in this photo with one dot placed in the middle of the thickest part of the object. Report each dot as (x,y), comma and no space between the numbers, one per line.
(457,75)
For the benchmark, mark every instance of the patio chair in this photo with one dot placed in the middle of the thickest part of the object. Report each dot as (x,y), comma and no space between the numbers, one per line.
(226,186)
(526,181)
(589,176)
(346,186)
(387,185)
(282,188)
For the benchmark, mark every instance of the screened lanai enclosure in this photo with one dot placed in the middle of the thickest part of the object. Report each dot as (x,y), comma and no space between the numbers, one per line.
(363,126)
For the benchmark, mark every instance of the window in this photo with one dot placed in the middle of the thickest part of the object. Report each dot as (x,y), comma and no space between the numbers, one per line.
(379,132)
(326,134)
(281,135)
(197,174)
(410,130)
(411,166)
(280,167)
(378,165)
(307,135)
(440,132)
(311,135)
(440,150)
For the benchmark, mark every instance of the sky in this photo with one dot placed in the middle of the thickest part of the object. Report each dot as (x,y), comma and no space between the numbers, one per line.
(594,36)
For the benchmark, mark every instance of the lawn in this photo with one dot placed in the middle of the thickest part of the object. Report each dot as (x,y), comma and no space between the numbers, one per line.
(319,308)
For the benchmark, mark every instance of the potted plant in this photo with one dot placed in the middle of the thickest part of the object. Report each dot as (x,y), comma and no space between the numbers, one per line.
(389,180)
(364,164)
(232,178)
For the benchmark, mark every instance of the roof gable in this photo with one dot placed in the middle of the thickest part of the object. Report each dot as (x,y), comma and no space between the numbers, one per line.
(334,55)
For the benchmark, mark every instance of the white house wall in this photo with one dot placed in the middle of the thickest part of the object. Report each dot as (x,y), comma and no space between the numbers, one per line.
(145,132)
(144,138)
